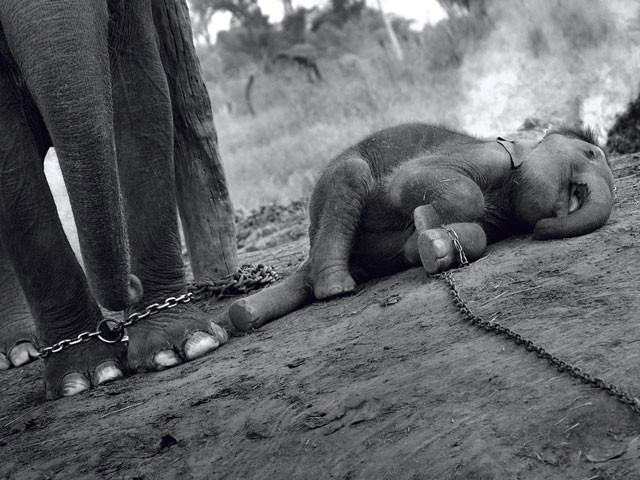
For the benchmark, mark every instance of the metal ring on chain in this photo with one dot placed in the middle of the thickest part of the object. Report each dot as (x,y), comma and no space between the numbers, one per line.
(246,279)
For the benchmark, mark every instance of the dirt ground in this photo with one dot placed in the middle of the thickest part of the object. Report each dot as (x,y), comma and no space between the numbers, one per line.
(351,389)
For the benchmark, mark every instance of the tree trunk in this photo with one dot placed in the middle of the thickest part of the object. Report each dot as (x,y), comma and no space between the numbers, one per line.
(397,50)
(288,7)
(247,94)
(203,199)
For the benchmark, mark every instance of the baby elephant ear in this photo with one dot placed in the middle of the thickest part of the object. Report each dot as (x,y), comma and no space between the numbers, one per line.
(516,160)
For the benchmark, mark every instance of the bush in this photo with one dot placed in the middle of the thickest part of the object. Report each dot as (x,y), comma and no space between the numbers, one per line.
(624,136)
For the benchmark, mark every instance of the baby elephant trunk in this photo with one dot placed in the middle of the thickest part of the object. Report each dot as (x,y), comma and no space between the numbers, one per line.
(593,213)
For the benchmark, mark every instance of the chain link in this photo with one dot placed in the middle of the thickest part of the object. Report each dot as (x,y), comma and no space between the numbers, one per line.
(562,366)
(246,279)
(462,257)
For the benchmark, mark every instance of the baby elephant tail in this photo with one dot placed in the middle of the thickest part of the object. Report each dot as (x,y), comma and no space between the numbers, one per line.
(271,303)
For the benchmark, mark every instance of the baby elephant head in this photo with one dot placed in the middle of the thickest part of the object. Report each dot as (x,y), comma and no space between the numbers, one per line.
(565,185)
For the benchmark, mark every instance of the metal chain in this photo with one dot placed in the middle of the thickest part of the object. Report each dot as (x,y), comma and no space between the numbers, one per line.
(462,257)
(247,278)
(562,366)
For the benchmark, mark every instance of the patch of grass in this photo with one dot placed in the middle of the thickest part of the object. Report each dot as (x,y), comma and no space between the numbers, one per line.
(277,155)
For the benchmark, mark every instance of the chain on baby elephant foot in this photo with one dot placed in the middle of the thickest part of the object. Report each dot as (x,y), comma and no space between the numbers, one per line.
(491,326)
(462,257)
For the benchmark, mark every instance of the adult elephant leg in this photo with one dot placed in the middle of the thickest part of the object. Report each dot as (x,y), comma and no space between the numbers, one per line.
(17,333)
(203,199)
(62,53)
(144,138)
(335,212)
(42,260)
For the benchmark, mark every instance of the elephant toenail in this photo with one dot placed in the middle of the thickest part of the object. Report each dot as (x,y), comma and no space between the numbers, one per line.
(4,363)
(107,372)
(166,359)
(74,383)
(198,344)
(220,333)
(22,353)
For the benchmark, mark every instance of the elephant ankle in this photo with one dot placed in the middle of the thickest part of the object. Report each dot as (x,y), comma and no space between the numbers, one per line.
(158,293)
(55,328)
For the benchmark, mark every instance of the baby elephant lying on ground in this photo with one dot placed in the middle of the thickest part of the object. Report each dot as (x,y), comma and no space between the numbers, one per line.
(385,205)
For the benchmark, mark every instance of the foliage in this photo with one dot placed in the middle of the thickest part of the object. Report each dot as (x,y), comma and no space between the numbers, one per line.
(486,68)
(461,7)
(624,136)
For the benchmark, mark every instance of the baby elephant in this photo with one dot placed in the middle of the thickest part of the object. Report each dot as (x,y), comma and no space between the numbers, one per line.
(398,198)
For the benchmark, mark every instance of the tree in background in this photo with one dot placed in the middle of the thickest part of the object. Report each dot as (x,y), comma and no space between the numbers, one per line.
(624,136)
(393,39)
(288,7)
(251,27)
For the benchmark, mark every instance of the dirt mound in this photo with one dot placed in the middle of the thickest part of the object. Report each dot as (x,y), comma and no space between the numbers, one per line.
(271,225)
(353,389)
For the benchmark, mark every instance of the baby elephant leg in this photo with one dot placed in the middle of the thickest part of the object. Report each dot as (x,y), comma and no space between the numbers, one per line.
(438,252)
(335,210)
(273,302)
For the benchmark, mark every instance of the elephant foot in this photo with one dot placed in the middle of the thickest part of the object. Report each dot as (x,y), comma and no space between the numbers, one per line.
(331,282)
(18,355)
(17,343)
(79,367)
(171,337)
(436,250)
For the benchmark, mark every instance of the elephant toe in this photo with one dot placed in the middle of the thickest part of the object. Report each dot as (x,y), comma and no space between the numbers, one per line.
(79,367)
(333,282)
(172,337)
(107,372)
(220,333)
(22,353)
(4,363)
(166,359)
(198,344)
(436,250)
(73,384)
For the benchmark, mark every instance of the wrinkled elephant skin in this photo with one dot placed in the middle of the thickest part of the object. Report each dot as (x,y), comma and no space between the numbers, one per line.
(400,197)
(87,78)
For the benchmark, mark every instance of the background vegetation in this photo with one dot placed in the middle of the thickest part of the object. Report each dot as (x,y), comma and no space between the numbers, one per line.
(488,68)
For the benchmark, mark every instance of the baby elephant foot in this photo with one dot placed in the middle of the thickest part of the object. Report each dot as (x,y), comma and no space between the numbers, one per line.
(171,337)
(332,282)
(436,250)
(79,367)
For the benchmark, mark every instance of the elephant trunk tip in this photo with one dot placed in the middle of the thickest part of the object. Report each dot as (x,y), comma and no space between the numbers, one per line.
(135,289)
(121,296)
(547,230)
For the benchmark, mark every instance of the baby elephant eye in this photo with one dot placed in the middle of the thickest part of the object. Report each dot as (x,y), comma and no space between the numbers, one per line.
(591,153)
